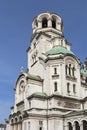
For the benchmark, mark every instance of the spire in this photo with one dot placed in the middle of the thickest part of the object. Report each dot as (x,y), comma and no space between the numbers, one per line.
(21,69)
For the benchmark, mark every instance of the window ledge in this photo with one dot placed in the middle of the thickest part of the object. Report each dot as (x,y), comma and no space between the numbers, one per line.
(71,78)
(55,75)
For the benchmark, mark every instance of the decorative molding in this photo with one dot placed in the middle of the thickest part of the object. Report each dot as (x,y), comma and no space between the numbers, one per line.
(71,78)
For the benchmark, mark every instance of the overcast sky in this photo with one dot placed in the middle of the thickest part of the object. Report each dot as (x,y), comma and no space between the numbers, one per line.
(15,32)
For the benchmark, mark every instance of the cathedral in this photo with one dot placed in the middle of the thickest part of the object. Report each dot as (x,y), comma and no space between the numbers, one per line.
(52,93)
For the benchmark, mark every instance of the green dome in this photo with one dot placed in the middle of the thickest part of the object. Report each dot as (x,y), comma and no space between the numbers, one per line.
(58,50)
(84,72)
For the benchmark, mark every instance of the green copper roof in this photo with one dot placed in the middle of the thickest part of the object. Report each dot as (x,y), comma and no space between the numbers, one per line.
(58,50)
(40,94)
(84,72)
(35,77)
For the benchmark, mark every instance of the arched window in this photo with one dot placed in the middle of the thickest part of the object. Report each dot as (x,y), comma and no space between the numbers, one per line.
(54,23)
(21,87)
(40,125)
(44,23)
(66,68)
(20,118)
(68,87)
(77,127)
(73,71)
(84,125)
(12,121)
(55,86)
(28,125)
(70,69)
(74,88)
(70,126)
(55,70)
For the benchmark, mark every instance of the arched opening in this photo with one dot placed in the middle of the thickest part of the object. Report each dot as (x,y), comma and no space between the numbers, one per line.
(55,70)
(66,68)
(16,120)
(20,118)
(70,126)
(55,86)
(73,70)
(70,69)
(12,121)
(74,88)
(44,23)
(68,88)
(54,23)
(77,127)
(84,125)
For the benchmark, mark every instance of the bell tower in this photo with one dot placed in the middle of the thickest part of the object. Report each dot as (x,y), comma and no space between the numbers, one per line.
(48,23)
(52,93)
(47,33)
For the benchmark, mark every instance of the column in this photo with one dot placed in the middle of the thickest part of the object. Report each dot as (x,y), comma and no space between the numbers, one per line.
(15,127)
(11,127)
(39,24)
(66,127)
(81,126)
(74,127)
(58,25)
(49,22)
(19,126)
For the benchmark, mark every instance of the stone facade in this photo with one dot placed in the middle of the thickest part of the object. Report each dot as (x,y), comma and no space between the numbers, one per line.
(52,93)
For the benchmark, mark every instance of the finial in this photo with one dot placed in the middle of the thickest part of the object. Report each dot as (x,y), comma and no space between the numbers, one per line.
(22,69)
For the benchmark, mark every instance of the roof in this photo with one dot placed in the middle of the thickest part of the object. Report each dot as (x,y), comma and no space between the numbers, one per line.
(35,77)
(40,94)
(75,113)
(84,72)
(58,50)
